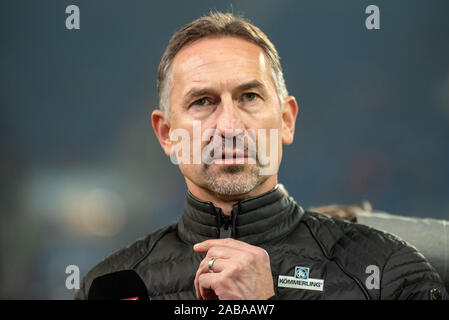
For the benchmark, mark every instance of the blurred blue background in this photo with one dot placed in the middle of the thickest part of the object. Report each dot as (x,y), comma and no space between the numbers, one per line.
(82,173)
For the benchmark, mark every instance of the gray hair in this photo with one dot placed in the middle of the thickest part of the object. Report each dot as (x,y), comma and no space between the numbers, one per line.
(216,24)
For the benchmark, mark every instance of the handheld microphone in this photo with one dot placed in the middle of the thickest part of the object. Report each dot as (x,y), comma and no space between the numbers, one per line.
(120,285)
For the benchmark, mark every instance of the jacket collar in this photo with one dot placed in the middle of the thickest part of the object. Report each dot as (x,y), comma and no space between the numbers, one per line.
(253,220)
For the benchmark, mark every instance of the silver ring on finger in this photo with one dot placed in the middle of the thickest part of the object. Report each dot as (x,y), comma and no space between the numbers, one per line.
(211,264)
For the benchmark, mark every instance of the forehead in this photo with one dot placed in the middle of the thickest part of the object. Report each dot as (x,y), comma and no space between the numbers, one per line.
(221,59)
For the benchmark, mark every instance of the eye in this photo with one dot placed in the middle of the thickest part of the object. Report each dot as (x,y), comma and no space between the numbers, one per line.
(250,96)
(201,102)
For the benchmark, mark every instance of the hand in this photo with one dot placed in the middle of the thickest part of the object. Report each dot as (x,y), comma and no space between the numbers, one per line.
(240,271)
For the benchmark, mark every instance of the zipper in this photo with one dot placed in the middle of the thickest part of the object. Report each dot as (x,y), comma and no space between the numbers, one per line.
(224,225)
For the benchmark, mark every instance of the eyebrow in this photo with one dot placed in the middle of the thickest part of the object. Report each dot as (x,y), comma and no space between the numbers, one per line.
(195,93)
(254,84)
(198,92)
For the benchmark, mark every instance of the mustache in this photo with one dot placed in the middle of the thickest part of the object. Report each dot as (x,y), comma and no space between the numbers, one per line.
(231,146)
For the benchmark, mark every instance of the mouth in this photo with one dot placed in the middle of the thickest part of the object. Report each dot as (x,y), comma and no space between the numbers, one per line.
(231,157)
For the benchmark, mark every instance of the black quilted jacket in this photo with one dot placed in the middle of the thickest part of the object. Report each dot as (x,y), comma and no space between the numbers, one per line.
(312,256)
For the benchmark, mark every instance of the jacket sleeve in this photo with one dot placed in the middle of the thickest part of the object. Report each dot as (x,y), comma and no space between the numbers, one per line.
(408,275)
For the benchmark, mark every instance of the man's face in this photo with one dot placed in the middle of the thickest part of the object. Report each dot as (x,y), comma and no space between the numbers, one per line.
(225,85)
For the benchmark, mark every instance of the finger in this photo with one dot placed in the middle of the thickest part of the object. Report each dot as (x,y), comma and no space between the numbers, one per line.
(218,266)
(228,255)
(199,271)
(228,242)
(197,288)
(234,248)
(206,284)
(223,252)
(231,243)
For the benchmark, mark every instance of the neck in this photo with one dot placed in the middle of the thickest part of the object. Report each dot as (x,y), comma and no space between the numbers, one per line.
(226,202)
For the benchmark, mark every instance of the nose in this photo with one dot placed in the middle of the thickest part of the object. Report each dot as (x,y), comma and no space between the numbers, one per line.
(229,117)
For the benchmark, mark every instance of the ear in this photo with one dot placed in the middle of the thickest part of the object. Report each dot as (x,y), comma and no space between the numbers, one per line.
(289,113)
(161,127)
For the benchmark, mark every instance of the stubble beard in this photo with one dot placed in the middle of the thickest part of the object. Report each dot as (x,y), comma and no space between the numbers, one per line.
(233,179)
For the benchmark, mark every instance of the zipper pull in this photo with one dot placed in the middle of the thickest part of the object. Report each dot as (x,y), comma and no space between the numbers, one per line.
(226,226)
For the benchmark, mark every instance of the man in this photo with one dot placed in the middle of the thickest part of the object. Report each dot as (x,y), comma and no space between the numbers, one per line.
(241,236)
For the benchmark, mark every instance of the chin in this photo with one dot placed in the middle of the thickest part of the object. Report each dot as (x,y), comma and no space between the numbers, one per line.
(234,180)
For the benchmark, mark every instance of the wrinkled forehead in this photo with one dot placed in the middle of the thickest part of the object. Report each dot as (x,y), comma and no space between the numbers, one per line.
(219,58)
